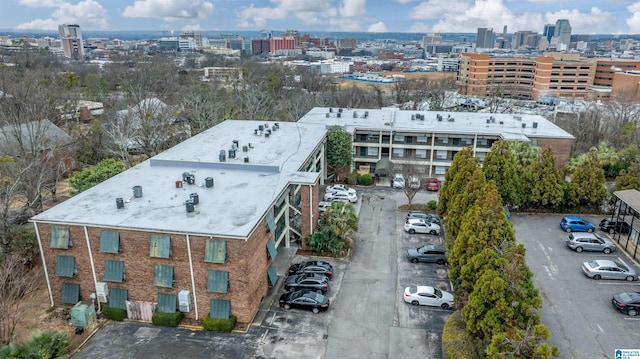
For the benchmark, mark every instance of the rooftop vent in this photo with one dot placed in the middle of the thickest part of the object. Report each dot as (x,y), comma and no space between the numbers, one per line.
(330,109)
(221,156)
(250,145)
(194,198)
(189,206)
(208,182)
(191,179)
(245,148)
(178,184)
(232,153)
(339,110)
(413,117)
(524,125)
(236,143)
(492,119)
(266,134)
(260,127)
(246,160)
(421,117)
(439,117)
(276,125)
(519,118)
(355,114)
(451,119)
(366,114)
(137,191)
(327,115)
(535,125)
(119,203)
(339,114)
(488,121)
(184,176)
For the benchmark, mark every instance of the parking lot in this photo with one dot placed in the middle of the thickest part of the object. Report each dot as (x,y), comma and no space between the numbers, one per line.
(577,310)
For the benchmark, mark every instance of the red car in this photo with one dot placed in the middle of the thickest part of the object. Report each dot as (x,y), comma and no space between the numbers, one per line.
(433,184)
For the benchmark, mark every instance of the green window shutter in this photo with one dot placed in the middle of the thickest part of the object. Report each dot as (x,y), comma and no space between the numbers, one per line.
(167,303)
(218,281)
(118,298)
(60,238)
(272,274)
(114,271)
(109,242)
(163,276)
(271,247)
(215,251)
(70,293)
(160,246)
(66,266)
(220,308)
(271,223)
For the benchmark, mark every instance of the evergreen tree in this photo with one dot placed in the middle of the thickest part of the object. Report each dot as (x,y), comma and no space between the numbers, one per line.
(339,154)
(524,154)
(587,186)
(500,166)
(543,183)
(460,204)
(456,178)
(628,179)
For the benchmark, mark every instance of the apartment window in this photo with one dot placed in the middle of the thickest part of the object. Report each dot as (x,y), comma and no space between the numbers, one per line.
(363,138)
(398,138)
(422,139)
(409,139)
(167,303)
(114,271)
(160,246)
(443,140)
(421,153)
(466,141)
(372,151)
(218,281)
(220,308)
(441,154)
(215,251)
(482,141)
(440,170)
(60,238)
(66,266)
(397,152)
(163,276)
(480,156)
(109,242)
(363,151)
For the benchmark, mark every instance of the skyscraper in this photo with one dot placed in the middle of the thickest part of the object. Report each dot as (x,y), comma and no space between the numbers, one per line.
(71,40)
(484,39)
(563,31)
(549,31)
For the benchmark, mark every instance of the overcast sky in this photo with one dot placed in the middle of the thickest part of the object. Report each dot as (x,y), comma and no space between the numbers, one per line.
(585,16)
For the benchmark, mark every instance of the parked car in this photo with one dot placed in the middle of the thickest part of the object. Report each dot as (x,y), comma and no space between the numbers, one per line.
(320,267)
(427,295)
(341,196)
(323,205)
(311,281)
(433,184)
(429,253)
(433,218)
(398,181)
(340,188)
(628,303)
(305,299)
(608,269)
(589,242)
(614,225)
(417,225)
(576,224)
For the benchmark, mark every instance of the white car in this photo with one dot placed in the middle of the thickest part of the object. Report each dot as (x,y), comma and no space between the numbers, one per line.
(427,295)
(323,205)
(398,181)
(341,196)
(341,188)
(418,225)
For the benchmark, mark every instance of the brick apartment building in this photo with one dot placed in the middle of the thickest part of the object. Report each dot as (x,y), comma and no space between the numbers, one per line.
(429,140)
(195,228)
(530,78)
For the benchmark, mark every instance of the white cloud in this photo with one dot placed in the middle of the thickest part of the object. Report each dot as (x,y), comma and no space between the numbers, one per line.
(193,27)
(352,8)
(346,26)
(378,27)
(634,21)
(420,27)
(86,13)
(169,10)
(40,3)
(310,12)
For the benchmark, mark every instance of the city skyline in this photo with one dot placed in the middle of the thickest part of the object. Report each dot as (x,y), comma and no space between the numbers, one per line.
(586,17)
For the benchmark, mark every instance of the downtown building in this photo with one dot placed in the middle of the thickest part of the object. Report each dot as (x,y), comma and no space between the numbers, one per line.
(71,41)
(194,229)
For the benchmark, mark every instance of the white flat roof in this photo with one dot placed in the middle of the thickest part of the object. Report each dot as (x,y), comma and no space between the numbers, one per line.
(242,191)
(508,126)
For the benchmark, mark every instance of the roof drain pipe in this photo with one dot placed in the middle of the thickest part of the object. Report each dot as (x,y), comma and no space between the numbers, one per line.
(44,263)
(193,283)
(310,213)
(93,267)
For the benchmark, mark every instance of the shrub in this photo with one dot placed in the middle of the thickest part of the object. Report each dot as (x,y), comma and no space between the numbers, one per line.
(166,319)
(352,178)
(456,342)
(42,345)
(365,180)
(219,325)
(433,204)
(116,314)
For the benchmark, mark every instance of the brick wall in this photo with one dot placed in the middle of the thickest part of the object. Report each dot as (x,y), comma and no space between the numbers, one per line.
(306,208)
(561,149)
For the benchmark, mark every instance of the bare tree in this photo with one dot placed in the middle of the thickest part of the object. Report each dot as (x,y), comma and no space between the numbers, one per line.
(412,181)
(18,281)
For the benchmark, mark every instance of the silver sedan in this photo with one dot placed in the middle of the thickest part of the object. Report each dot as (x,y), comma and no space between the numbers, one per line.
(608,269)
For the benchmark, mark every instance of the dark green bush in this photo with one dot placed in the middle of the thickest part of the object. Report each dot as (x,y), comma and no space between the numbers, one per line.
(42,345)
(166,319)
(352,178)
(116,314)
(219,325)
(433,204)
(365,180)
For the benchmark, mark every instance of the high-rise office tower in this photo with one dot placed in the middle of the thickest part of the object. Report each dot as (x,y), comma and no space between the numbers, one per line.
(71,40)
(485,38)
(549,31)
(563,31)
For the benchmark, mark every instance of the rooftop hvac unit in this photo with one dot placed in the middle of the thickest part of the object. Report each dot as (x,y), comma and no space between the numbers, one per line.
(260,128)
(413,117)
(137,191)
(237,143)
(276,125)
(119,203)
(246,160)
(535,125)
(488,121)
(421,117)
(232,153)
(101,291)
(184,301)
(245,148)
(327,115)
(339,114)
(208,182)
(330,109)
(194,198)
(266,134)
(340,110)
(366,114)
(221,156)
(189,206)
(191,179)
(524,125)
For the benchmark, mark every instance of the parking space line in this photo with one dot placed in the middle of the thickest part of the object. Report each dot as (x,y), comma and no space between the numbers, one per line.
(632,319)
(618,283)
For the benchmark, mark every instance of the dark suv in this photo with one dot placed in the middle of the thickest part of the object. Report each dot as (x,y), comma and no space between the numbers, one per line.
(614,225)
(429,253)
